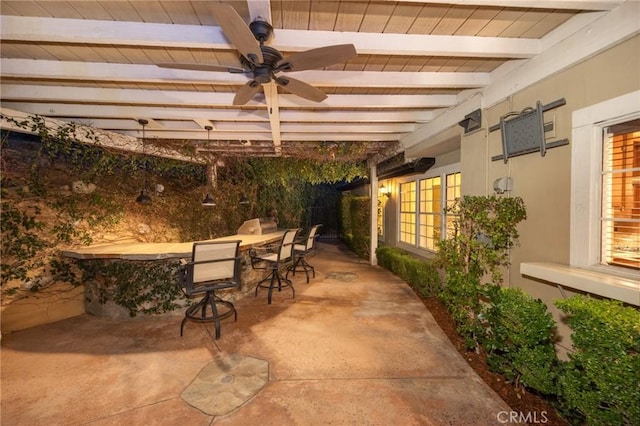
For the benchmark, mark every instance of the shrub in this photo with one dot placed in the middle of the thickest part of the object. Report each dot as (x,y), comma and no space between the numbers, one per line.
(420,274)
(484,230)
(354,223)
(601,380)
(461,296)
(519,339)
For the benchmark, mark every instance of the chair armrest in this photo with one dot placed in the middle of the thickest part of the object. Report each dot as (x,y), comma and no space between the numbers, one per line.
(257,254)
(183,274)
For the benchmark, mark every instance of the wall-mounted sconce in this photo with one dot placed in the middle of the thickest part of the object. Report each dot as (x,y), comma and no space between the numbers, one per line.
(384,191)
(144,197)
(502,185)
(472,121)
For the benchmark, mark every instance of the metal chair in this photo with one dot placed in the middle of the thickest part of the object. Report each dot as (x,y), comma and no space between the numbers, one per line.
(301,252)
(214,266)
(274,259)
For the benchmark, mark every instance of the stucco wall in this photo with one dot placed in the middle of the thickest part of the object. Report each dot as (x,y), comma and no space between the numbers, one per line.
(544,183)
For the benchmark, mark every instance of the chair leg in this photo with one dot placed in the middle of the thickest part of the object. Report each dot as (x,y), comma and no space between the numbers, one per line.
(293,267)
(216,318)
(274,274)
(274,277)
(198,312)
(301,265)
(182,325)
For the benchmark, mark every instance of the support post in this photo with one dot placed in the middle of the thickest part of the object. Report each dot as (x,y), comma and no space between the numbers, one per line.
(373,226)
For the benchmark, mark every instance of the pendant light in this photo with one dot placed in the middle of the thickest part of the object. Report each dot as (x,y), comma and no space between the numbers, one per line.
(144,197)
(212,171)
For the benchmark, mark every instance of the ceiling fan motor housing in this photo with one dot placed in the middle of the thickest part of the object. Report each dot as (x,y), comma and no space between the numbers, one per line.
(261,30)
(263,72)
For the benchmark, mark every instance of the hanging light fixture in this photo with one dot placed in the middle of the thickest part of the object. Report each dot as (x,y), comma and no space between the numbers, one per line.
(144,197)
(212,171)
(244,199)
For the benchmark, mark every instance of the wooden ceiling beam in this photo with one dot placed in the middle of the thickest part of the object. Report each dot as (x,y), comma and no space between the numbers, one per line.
(110,72)
(161,98)
(96,32)
(528,4)
(220,114)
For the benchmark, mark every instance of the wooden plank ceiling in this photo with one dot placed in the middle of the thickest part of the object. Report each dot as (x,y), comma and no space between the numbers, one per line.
(93,62)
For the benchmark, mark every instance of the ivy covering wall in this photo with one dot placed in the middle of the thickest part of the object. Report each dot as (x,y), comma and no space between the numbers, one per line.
(59,194)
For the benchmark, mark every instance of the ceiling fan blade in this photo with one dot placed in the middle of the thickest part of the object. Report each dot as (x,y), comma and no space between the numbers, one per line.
(202,67)
(238,32)
(317,58)
(246,92)
(300,88)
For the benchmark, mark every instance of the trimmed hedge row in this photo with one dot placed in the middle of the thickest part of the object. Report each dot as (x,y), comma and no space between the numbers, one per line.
(419,274)
(601,381)
(354,223)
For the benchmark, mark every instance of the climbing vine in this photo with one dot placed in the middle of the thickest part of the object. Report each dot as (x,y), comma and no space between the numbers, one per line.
(145,287)
(42,214)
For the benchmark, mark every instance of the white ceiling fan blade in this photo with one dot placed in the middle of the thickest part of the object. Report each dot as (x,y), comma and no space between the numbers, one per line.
(238,32)
(300,88)
(202,67)
(246,92)
(317,58)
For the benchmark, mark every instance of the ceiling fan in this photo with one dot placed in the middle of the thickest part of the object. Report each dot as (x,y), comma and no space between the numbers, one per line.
(262,63)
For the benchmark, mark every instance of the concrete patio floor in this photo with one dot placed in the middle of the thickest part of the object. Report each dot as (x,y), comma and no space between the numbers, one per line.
(355,347)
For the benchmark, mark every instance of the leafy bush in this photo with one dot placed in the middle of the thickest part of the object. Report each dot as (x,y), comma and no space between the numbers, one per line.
(461,295)
(354,223)
(601,380)
(484,230)
(419,274)
(519,339)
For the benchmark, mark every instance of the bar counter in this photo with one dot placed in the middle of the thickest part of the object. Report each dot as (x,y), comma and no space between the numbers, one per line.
(158,251)
(124,280)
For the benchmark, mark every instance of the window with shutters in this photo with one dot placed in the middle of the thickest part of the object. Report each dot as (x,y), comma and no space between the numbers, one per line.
(620,218)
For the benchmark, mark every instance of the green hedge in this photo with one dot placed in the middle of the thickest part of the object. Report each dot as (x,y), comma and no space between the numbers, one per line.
(419,274)
(519,339)
(602,379)
(354,217)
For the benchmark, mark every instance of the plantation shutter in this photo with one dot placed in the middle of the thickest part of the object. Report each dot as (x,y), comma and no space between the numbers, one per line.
(620,218)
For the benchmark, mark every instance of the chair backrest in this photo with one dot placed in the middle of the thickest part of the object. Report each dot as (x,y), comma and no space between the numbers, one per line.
(312,237)
(216,260)
(286,247)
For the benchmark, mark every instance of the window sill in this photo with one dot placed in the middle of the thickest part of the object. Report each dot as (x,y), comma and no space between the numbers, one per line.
(611,286)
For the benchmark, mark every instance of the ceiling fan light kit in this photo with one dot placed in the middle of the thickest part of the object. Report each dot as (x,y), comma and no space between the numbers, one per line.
(262,62)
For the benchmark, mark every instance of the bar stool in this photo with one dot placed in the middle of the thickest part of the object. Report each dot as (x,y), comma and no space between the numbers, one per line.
(274,260)
(301,252)
(214,266)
